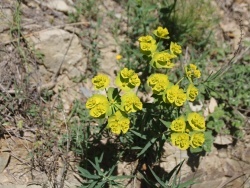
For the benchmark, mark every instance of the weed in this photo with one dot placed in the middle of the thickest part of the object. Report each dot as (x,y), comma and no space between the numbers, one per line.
(86,8)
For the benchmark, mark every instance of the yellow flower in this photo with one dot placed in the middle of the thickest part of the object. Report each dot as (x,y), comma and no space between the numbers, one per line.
(197,73)
(118,123)
(181,140)
(147,48)
(171,94)
(118,57)
(101,81)
(98,111)
(175,48)
(135,80)
(158,82)
(147,45)
(147,39)
(98,105)
(130,102)
(178,125)
(126,73)
(180,98)
(192,92)
(192,71)
(196,121)
(127,79)
(161,32)
(162,60)
(175,95)
(197,139)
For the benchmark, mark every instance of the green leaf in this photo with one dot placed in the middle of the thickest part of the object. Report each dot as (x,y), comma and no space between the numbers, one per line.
(113,93)
(139,134)
(187,184)
(86,174)
(111,170)
(120,177)
(196,150)
(93,184)
(100,184)
(158,179)
(136,148)
(110,93)
(208,141)
(148,181)
(150,143)
(175,170)
(166,123)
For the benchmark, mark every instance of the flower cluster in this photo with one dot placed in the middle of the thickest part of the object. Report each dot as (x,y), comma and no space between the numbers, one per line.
(147,45)
(161,32)
(127,79)
(192,72)
(119,102)
(158,82)
(159,59)
(115,106)
(98,105)
(101,81)
(188,132)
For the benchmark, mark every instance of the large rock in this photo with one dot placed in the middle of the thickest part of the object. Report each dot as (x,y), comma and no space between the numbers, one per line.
(59,46)
(60,5)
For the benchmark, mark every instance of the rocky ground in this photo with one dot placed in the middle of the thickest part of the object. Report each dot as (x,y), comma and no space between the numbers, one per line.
(51,53)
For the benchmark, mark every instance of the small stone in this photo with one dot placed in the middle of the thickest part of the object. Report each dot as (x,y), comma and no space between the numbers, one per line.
(223,139)
(4,158)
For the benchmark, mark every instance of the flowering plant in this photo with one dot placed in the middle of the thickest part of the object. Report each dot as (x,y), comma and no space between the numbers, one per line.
(165,118)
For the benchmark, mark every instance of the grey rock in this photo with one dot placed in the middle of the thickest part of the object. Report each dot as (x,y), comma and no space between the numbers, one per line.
(60,47)
(4,158)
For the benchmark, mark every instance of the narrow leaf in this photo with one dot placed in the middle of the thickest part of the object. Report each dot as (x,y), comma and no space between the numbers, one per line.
(150,143)
(158,179)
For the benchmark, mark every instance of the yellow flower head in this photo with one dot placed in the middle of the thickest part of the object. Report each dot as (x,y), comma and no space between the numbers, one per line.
(192,92)
(118,123)
(147,48)
(175,48)
(178,125)
(130,102)
(196,121)
(99,111)
(197,73)
(161,32)
(162,60)
(127,79)
(118,57)
(147,39)
(98,105)
(192,71)
(147,45)
(158,82)
(197,139)
(175,95)
(134,80)
(101,81)
(171,94)
(181,140)
(180,98)
(126,73)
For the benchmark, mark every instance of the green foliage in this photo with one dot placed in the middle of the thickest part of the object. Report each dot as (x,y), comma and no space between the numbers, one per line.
(150,128)
(100,178)
(230,91)
(188,21)
(87,8)
(170,180)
